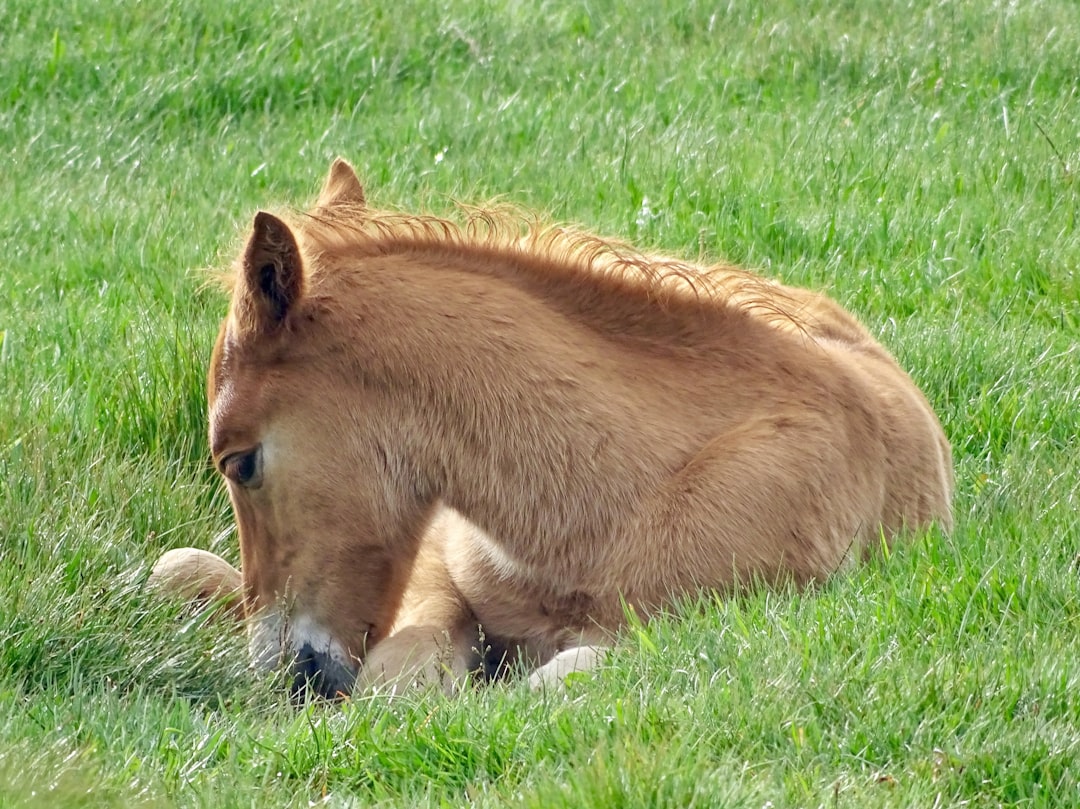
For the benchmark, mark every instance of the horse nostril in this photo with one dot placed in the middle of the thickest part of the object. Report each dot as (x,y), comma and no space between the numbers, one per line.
(317,673)
(307,674)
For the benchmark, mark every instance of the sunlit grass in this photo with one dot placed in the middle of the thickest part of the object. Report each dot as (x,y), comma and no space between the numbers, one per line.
(916,160)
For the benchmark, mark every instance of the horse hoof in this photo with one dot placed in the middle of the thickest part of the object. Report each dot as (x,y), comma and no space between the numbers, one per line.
(199,578)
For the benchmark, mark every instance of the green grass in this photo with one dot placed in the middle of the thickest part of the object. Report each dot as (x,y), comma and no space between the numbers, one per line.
(917,160)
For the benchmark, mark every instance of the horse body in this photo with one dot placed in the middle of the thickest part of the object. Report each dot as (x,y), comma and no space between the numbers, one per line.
(437,438)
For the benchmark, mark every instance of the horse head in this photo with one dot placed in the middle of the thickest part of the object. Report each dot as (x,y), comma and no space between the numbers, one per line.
(290,431)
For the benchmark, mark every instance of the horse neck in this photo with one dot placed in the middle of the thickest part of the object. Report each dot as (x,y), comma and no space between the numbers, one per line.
(500,395)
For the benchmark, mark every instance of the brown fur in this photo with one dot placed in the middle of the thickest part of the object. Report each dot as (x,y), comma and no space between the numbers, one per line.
(519,428)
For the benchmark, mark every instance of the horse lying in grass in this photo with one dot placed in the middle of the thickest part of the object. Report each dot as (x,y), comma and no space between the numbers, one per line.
(449,446)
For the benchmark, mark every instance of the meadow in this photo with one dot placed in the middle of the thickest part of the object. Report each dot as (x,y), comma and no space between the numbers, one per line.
(916,160)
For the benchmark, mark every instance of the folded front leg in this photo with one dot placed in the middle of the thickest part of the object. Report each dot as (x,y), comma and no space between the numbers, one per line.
(436,640)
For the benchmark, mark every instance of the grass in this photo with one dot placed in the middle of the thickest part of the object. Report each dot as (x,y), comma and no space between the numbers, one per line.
(916,160)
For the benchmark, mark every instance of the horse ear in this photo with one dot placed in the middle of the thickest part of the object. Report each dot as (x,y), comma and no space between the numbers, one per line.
(273,273)
(342,187)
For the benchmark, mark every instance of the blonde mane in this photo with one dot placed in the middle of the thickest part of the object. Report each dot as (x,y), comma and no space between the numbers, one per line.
(554,255)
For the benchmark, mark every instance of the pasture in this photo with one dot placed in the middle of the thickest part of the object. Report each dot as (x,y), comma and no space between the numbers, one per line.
(916,161)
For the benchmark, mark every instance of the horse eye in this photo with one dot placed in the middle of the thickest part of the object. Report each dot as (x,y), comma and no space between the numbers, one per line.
(243,468)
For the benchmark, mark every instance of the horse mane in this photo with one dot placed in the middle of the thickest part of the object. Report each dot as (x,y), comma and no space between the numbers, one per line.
(591,268)
(553,252)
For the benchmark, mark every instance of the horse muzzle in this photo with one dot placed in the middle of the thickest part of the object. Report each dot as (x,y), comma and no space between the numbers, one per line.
(317,662)
(318,672)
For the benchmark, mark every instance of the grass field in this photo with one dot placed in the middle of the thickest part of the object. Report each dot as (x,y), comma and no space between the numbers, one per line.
(917,160)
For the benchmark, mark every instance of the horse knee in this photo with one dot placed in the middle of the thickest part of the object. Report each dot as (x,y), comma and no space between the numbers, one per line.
(414,657)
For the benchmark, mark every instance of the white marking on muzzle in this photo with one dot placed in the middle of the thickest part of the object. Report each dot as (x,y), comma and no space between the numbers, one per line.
(305,631)
(272,640)
(266,639)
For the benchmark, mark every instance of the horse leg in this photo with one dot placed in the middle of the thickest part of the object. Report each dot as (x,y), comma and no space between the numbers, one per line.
(199,578)
(787,496)
(576,659)
(435,638)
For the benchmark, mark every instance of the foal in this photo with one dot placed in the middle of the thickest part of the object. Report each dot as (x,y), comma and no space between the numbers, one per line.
(449,445)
